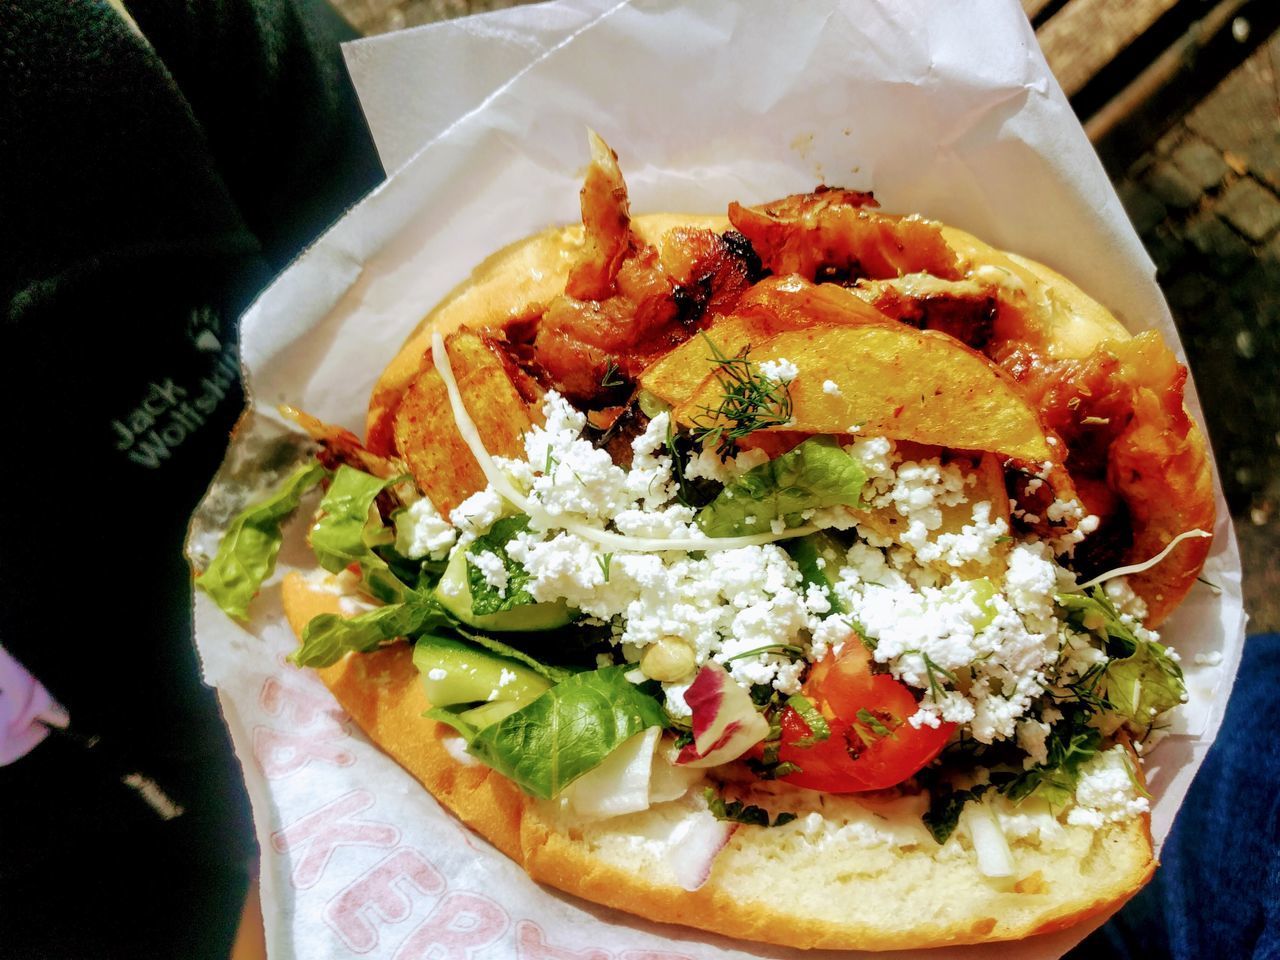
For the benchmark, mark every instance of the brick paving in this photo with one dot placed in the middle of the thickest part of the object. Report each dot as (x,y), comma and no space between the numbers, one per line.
(1206,201)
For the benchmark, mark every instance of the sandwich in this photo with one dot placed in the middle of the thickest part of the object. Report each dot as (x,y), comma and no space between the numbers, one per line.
(793,575)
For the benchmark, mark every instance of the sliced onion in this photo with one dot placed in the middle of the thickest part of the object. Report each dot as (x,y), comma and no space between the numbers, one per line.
(620,785)
(1145,564)
(726,724)
(668,781)
(694,845)
(995,859)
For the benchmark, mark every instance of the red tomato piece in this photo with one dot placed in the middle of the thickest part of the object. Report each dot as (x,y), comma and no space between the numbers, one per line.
(872,746)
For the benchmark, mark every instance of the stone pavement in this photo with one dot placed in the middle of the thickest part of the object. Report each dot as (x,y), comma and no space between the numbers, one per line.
(1206,201)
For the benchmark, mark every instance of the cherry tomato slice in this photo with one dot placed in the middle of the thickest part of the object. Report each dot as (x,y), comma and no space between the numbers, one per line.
(872,746)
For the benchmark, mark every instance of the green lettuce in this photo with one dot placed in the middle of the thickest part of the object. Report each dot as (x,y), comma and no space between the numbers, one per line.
(247,554)
(485,598)
(1141,680)
(347,532)
(568,731)
(329,636)
(814,475)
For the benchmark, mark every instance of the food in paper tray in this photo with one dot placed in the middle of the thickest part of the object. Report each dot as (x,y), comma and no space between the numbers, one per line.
(792,575)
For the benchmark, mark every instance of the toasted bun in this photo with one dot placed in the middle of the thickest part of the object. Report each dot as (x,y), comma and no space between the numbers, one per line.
(813,883)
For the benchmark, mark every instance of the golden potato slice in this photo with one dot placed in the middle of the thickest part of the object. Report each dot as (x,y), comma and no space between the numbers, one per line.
(898,382)
(773,305)
(427,437)
(988,485)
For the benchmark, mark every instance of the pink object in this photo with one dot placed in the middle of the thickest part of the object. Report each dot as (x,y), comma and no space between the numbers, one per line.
(726,724)
(26,710)
(694,846)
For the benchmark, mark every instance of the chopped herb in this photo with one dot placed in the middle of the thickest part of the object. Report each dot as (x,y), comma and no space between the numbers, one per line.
(738,812)
(945,806)
(605,562)
(819,730)
(749,401)
(551,464)
(611,377)
(933,670)
(1070,744)
(677,468)
(877,723)
(1211,585)
(781,647)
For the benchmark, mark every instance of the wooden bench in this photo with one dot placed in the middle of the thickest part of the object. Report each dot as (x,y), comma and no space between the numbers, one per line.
(1133,67)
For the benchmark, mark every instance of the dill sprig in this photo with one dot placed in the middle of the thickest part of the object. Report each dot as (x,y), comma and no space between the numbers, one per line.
(749,401)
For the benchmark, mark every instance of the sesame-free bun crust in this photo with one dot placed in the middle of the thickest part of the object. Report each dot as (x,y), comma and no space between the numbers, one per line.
(813,883)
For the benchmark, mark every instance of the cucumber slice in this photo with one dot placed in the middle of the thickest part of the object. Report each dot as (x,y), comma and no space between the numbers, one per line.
(453,592)
(455,673)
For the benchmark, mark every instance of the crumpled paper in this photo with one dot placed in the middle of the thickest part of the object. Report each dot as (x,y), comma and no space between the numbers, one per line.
(944,109)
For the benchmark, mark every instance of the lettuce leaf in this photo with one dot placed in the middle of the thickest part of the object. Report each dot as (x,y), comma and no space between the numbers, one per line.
(329,636)
(814,475)
(567,731)
(1140,681)
(485,598)
(346,532)
(247,554)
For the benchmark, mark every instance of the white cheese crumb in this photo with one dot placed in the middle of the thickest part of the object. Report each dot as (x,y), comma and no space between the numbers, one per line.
(422,532)
(781,370)
(437,673)
(1211,659)
(492,569)
(831,388)
(1107,792)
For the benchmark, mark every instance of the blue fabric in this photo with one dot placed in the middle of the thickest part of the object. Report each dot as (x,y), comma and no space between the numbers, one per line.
(1217,892)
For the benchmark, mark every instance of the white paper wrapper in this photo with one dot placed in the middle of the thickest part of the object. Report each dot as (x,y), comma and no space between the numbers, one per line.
(704,104)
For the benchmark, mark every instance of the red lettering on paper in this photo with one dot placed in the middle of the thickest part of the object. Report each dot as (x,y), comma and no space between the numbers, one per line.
(314,837)
(531,944)
(381,895)
(301,707)
(280,754)
(461,924)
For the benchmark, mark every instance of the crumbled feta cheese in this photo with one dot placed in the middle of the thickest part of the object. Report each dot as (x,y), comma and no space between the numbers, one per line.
(422,532)
(1124,599)
(1211,659)
(706,465)
(781,370)
(831,388)
(1031,738)
(437,673)
(492,569)
(1107,792)
(475,515)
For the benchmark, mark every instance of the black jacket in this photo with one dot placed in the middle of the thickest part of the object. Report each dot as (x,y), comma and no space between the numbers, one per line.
(152,179)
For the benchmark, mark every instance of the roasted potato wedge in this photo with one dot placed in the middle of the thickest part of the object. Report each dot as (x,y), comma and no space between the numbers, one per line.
(772,306)
(427,437)
(892,380)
